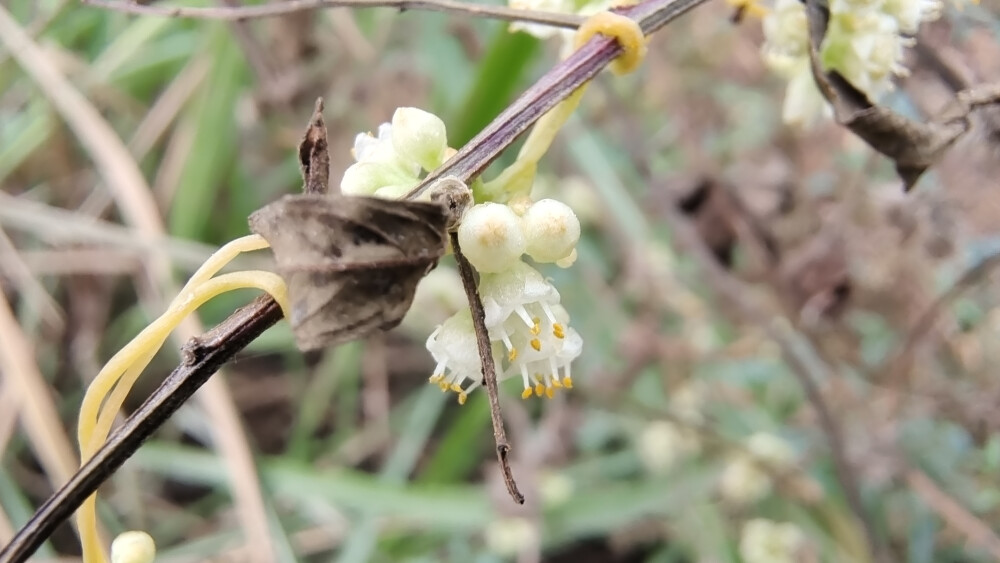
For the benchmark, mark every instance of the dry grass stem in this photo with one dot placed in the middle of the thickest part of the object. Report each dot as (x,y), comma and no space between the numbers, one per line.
(555,19)
(134,198)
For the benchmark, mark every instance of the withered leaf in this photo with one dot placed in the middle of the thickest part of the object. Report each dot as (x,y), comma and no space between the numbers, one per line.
(351,264)
(912,145)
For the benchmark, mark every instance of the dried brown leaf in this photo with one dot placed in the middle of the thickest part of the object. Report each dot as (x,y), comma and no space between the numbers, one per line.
(351,264)
(314,156)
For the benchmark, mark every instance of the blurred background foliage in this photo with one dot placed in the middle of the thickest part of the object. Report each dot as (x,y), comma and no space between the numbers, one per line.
(725,261)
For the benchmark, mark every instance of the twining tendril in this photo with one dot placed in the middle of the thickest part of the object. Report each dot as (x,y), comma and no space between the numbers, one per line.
(107,392)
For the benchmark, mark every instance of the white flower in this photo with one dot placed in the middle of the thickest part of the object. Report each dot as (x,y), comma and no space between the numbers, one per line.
(911,13)
(865,42)
(747,478)
(453,346)
(744,482)
(865,46)
(523,317)
(492,237)
(552,230)
(511,536)
(133,547)
(542,357)
(555,488)
(804,103)
(389,163)
(764,541)
(366,178)
(372,148)
(507,295)
(772,450)
(786,29)
(419,136)
(662,444)
(687,403)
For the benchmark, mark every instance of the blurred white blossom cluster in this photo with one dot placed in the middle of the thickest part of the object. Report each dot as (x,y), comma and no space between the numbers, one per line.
(747,478)
(765,541)
(527,326)
(865,43)
(664,443)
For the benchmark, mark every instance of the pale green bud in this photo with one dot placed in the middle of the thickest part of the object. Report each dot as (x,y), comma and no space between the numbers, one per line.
(419,136)
(365,178)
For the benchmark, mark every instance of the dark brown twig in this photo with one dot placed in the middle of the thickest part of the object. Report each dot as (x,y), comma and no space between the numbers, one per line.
(568,21)
(203,357)
(899,369)
(208,353)
(489,367)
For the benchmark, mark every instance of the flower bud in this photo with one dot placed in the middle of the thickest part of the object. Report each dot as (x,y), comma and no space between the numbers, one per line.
(491,237)
(133,547)
(365,178)
(419,136)
(552,230)
(395,191)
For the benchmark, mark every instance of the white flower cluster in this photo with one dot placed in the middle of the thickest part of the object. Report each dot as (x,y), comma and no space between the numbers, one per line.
(389,164)
(527,327)
(865,42)
(663,443)
(747,477)
(764,541)
(528,330)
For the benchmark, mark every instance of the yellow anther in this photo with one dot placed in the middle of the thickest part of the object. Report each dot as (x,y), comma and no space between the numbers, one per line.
(462,397)
(526,393)
(622,28)
(444,386)
(556,384)
(436,377)
(568,382)
(512,355)
(558,330)
(550,392)
(537,328)
(539,389)
(456,387)
(536,344)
